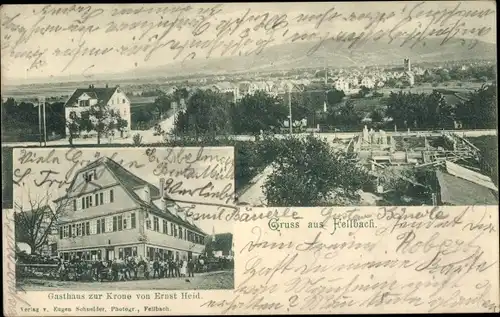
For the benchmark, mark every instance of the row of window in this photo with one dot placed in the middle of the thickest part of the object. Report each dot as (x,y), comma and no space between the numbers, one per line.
(162,254)
(152,254)
(97,255)
(174,230)
(86,103)
(98,226)
(117,101)
(96,199)
(127,221)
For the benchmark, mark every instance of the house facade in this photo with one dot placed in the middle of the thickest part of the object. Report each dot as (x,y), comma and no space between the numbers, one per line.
(110,213)
(342,84)
(368,82)
(408,78)
(83,98)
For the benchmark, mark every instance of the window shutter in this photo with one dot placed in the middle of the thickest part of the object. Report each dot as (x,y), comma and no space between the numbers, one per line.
(109,224)
(132,220)
(93,226)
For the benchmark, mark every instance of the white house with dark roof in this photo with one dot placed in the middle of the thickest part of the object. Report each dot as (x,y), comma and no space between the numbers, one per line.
(83,98)
(111,213)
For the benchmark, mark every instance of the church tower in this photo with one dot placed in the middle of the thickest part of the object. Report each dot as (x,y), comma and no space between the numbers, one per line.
(407,64)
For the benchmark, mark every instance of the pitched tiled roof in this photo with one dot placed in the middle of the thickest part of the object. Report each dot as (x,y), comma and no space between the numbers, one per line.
(102,94)
(130,183)
(170,215)
(128,179)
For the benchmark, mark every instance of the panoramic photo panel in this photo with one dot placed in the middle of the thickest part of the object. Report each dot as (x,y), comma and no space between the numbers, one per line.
(89,219)
(249,158)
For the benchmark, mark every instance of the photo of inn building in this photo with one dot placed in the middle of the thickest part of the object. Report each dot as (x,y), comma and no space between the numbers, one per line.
(109,213)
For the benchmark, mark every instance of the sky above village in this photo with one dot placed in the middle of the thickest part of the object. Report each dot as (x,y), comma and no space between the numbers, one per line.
(52,41)
(38,187)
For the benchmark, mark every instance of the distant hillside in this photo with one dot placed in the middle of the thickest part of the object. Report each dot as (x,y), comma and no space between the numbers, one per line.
(294,55)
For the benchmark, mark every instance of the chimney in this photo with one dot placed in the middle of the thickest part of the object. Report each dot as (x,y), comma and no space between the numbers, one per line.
(106,85)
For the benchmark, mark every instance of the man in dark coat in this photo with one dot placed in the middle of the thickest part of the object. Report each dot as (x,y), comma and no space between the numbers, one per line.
(190,267)
(170,268)
(156,268)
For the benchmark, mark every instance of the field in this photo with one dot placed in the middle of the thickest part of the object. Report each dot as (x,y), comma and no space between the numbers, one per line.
(140,101)
(368,104)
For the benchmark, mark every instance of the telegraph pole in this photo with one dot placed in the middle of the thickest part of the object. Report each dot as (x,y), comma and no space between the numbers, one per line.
(39,122)
(326,83)
(290,106)
(175,117)
(44,122)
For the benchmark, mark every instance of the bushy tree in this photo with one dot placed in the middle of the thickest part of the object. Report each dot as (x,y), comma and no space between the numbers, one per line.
(257,112)
(363,91)
(206,112)
(344,115)
(163,103)
(334,96)
(376,116)
(36,221)
(73,127)
(121,124)
(409,110)
(308,172)
(100,118)
(480,111)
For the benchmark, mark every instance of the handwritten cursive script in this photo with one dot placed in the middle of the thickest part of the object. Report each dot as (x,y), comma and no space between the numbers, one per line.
(442,266)
(185,32)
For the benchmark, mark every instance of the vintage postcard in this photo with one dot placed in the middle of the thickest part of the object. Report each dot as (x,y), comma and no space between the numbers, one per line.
(249,158)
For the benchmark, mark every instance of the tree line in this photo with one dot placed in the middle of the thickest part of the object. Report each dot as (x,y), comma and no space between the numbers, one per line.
(214,113)
(20,120)
(478,110)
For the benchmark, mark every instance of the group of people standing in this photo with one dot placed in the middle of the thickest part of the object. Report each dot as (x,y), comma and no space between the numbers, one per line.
(172,268)
(128,269)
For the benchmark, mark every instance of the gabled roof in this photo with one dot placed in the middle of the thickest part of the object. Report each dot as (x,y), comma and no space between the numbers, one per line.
(128,179)
(170,215)
(101,94)
(130,183)
(91,94)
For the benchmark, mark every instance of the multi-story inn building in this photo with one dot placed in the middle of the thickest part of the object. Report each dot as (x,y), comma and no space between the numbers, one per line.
(83,98)
(111,213)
